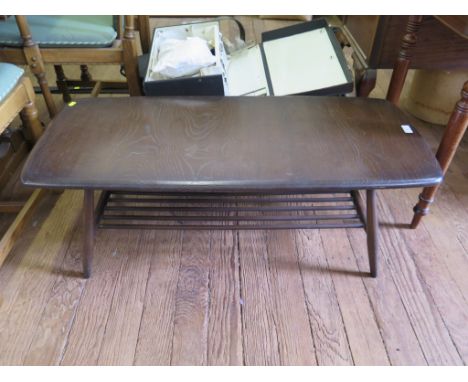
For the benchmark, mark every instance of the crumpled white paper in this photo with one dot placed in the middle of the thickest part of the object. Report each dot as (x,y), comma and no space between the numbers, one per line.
(183,57)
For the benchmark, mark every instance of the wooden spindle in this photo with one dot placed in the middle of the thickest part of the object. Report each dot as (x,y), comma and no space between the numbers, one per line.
(30,119)
(144,30)
(85,74)
(400,69)
(33,57)
(62,83)
(129,27)
(453,134)
(118,27)
(130,57)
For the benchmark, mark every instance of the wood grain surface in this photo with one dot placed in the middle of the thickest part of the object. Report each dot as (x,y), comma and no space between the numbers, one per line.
(231,144)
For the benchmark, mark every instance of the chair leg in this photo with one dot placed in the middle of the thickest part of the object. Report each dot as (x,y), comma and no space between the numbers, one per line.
(453,134)
(365,82)
(401,66)
(372,228)
(145,32)
(85,74)
(31,122)
(62,83)
(130,57)
(49,100)
(29,115)
(33,57)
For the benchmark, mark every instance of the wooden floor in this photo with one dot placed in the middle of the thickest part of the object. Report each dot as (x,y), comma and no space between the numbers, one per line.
(253,298)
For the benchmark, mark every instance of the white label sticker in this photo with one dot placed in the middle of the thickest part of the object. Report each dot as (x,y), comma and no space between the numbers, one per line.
(407,129)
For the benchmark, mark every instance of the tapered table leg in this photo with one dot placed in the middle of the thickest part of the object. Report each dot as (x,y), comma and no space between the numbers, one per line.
(89,229)
(372,228)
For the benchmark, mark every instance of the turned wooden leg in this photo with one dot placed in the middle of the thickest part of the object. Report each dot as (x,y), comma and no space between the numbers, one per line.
(89,230)
(31,122)
(145,32)
(400,69)
(130,56)
(62,83)
(453,134)
(85,74)
(33,57)
(49,100)
(365,82)
(372,228)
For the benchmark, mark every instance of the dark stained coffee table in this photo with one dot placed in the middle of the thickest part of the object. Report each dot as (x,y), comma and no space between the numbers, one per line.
(231,162)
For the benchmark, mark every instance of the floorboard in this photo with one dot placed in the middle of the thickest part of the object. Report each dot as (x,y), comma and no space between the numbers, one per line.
(89,325)
(25,294)
(395,326)
(430,329)
(51,334)
(326,322)
(363,333)
(190,341)
(295,341)
(435,274)
(156,330)
(224,316)
(123,323)
(259,329)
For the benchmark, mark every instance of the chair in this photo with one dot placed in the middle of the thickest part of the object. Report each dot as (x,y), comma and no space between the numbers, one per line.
(17,97)
(458,122)
(57,40)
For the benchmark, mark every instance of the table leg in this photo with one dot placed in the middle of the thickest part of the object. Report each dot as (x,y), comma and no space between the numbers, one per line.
(372,229)
(453,134)
(89,229)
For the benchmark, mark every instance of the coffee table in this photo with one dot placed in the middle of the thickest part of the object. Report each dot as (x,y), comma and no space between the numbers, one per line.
(231,162)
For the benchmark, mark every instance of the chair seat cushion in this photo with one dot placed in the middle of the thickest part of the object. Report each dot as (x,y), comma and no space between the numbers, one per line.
(62,31)
(9,76)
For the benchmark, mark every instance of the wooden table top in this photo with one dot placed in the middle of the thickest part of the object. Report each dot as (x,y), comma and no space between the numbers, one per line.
(198,144)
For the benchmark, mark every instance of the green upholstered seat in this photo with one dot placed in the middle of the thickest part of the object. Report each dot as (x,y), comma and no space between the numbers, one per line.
(62,31)
(9,76)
